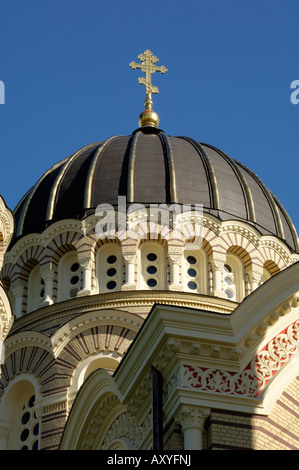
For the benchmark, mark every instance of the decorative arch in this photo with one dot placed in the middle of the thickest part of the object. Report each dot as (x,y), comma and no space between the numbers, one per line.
(85,344)
(207,247)
(270,268)
(26,261)
(101,360)
(273,262)
(242,254)
(96,400)
(26,358)
(60,244)
(97,323)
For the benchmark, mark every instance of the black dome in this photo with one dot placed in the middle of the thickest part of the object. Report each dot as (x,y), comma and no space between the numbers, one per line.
(151,167)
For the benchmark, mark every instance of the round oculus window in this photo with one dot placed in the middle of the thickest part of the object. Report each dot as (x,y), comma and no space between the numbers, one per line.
(111,272)
(191,272)
(74,280)
(25,417)
(152,269)
(152,257)
(228,281)
(192,285)
(111,285)
(24,435)
(229,293)
(75,267)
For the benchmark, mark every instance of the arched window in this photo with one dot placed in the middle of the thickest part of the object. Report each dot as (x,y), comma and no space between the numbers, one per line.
(69,276)
(233,278)
(19,416)
(195,271)
(36,290)
(152,266)
(109,268)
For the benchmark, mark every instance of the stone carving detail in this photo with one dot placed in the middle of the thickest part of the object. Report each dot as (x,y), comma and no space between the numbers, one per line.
(280,349)
(253,379)
(126,426)
(192,417)
(221,381)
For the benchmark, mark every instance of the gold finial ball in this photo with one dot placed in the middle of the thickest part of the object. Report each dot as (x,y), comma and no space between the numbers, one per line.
(148,118)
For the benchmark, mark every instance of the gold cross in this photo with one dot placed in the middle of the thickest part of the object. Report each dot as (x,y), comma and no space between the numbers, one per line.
(148,61)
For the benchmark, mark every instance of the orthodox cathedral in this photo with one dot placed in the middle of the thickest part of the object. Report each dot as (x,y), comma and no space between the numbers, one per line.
(153,338)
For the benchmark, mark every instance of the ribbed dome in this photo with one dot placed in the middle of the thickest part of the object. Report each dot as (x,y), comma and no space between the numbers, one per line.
(151,167)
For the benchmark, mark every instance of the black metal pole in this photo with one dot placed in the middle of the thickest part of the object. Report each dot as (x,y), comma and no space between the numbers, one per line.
(157,404)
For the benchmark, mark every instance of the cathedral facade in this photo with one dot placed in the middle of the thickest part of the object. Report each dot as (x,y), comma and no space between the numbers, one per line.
(149,338)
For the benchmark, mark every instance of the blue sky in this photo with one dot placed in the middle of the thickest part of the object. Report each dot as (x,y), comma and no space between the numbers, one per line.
(65,66)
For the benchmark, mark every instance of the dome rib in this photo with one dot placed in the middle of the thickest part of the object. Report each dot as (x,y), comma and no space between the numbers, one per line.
(91,171)
(209,169)
(289,223)
(268,195)
(131,168)
(243,183)
(30,195)
(171,168)
(57,182)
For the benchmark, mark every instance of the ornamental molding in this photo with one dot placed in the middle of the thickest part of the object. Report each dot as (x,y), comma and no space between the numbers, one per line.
(110,422)
(140,399)
(6,223)
(241,229)
(122,301)
(129,258)
(252,380)
(126,426)
(86,232)
(97,420)
(26,339)
(191,417)
(6,317)
(83,322)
